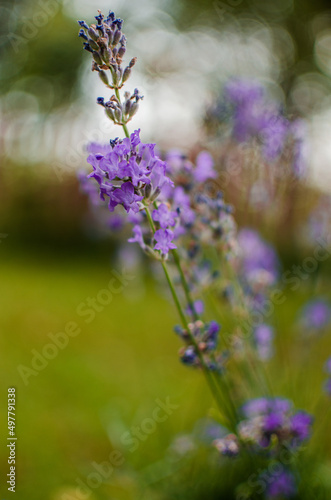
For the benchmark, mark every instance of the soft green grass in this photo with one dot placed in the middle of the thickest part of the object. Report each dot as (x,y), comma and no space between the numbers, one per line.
(107,379)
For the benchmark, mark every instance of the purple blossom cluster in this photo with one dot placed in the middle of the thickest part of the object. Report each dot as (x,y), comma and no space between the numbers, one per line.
(205,339)
(315,316)
(255,118)
(180,218)
(269,423)
(280,484)
(259,261)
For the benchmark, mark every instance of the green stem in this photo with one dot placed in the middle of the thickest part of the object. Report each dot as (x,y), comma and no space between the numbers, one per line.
(209,378)
(185,285)
(125,128)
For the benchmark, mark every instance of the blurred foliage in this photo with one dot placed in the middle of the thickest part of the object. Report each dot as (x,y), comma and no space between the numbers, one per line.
(39,53)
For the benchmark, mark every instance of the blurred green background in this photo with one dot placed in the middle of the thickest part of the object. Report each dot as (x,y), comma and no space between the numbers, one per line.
(108,377)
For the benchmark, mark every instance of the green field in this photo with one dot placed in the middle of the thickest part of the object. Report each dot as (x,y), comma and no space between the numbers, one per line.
(75,410)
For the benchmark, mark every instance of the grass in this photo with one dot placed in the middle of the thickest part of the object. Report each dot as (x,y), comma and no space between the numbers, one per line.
(73,412)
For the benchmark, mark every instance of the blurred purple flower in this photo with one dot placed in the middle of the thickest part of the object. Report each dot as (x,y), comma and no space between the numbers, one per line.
(301,423)
(138,237)
(126,196)
(263,337)
(260,261)
(281,485)
(164,216)
(316,315)
(163,238)
(204,167)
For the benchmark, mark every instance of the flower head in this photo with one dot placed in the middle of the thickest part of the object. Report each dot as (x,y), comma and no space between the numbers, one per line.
(165,217)
(163,238)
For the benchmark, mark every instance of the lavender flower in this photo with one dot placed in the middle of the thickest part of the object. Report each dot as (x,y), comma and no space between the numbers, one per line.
(164,216)
(263,337)
(138,237)
(269,417)
(259,259)
(316,315)
(163,238)
(227,446)
(281,485)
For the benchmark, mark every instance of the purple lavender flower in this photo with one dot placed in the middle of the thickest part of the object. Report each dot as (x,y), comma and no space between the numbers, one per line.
(316,315)
(301,423)
(189,356)
(138,237)
(227,446)
(199,308)
(164,216)
(204,167)
(163,238)
(263,336)
(281,485)
(260,262)
(126,196)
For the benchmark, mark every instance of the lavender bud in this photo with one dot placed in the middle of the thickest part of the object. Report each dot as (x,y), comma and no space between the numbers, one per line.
(119,72)
(155,194)
(110,113)
(101,29)
(93,44)
(99,18)
(93,34)
(82,34)
(110,17)
(101,101)
(121,51)
(87,47)
(118,114)
(83,24)
(97,58)
(127,107)
(103,77)
(117,37)
(126,74)
(148,190)
(132,62)
(133,109)
(106,55)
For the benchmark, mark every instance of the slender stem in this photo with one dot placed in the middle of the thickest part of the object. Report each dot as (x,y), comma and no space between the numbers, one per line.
(209,378)
(125,128)
(212,386)
(184,284)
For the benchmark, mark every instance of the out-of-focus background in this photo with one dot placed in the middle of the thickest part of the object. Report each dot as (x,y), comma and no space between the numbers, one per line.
(112,375)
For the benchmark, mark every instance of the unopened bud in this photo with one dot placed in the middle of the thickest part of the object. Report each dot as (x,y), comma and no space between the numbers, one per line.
(110,114)
(118,115)
(93,34)
(127,108)
(148,190)
(126,74)
(121,51)
(93,44)
(133,109)
(132,62)
(103,77)
(117,37)
(106,55)
(155,194)
(97,58)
